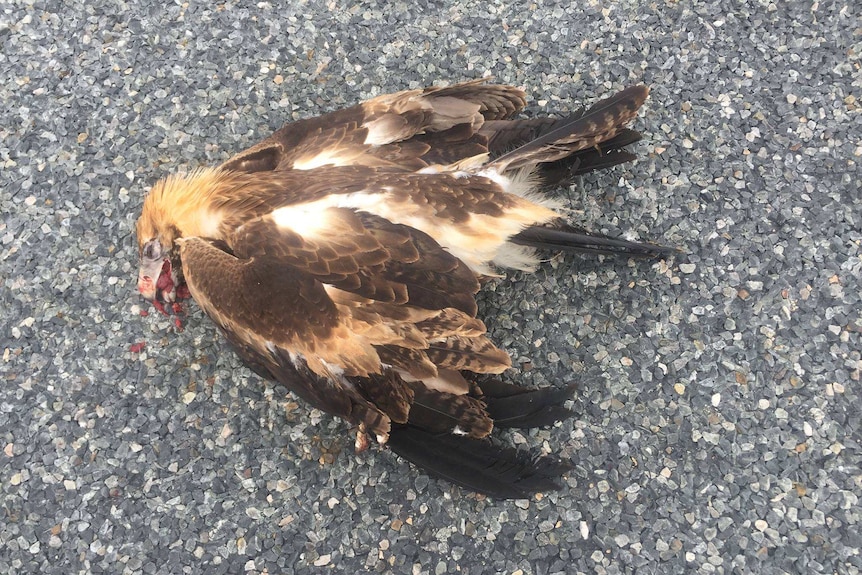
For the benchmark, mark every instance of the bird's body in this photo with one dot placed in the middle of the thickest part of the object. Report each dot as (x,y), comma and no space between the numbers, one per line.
(341,257)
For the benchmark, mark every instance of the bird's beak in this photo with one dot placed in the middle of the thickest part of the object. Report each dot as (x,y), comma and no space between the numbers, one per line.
(148,276)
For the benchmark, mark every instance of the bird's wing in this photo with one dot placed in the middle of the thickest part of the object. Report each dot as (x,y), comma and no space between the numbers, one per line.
(349,250)
(602,122)
(471,216)
(380,131)
(365,297)
(283,324)
(348,296)
(442,433)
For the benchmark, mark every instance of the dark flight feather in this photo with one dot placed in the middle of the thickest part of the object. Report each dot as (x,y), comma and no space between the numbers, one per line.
(513,406)
(478,465)
(569,239)
(578,132)
(602,156)
(426,438)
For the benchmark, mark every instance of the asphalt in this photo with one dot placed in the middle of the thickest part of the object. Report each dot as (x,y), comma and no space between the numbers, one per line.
(717,424)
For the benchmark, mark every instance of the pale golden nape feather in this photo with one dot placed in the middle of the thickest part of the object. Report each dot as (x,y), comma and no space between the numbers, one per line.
(182,205)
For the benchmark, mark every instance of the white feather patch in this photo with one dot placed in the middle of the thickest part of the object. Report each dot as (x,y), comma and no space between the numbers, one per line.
(478,241)
(307,220)
(210,223)
(312,218)
(336,370)
(522,183)
(297,359)
(329,157)
(516,257)
(385,129)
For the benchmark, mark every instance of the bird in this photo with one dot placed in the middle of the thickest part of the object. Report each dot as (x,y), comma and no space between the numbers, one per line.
(341,257)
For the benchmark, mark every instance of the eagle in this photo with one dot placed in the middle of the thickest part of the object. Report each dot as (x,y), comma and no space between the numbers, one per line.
(342,255)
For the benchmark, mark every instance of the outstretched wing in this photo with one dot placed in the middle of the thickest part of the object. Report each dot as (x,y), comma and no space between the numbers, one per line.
(379,132)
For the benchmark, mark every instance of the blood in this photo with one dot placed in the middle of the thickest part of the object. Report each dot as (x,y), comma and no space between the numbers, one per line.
(144,313)
(160,306)
(176,308)
(166,282)
(145,285)
(137,347)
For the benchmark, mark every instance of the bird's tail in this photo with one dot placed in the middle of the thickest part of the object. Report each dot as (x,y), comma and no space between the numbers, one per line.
(480,464)
(576,240)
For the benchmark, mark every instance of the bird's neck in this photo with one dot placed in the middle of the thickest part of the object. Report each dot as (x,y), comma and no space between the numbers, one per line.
(209,201)
(192,203)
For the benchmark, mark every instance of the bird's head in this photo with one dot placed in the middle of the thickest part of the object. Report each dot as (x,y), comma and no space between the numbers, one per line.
(179,206)
(160,270)
(173,209)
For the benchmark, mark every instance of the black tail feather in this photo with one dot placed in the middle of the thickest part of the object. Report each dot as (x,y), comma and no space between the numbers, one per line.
(513,406)
(580,241)
(478,465)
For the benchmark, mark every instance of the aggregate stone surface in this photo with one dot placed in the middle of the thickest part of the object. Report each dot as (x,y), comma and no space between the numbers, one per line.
(717,425)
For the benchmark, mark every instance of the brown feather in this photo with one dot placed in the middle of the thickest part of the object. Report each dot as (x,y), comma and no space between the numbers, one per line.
(390,121)
(412,361)
(297,314)
(582,131)
(495,102)
(442,412)
(476,354)
(389,393)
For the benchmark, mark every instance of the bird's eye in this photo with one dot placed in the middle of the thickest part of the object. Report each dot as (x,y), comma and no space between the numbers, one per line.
(152,250)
